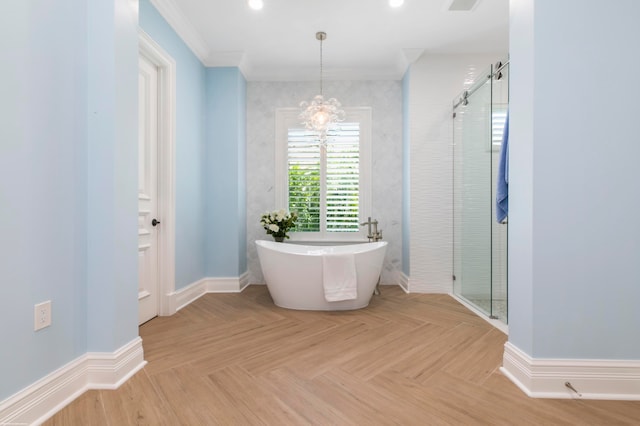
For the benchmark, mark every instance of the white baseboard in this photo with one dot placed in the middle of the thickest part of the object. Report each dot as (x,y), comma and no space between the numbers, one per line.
(41,400)
(110,370)
(403,281)
(592,379)
(188,294)
(228,285)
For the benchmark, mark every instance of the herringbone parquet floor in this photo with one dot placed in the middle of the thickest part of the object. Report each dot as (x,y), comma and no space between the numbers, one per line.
(236,359)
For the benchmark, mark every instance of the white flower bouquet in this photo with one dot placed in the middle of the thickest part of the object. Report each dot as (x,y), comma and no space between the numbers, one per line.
(278,222)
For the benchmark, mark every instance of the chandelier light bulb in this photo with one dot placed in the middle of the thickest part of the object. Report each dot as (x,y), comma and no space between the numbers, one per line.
(256,4)
(321,117)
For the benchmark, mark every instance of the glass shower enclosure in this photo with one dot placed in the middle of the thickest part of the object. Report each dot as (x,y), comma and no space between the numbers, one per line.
(479,241)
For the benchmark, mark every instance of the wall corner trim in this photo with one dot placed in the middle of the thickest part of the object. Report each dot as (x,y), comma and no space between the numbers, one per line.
(593,379)
(93,370)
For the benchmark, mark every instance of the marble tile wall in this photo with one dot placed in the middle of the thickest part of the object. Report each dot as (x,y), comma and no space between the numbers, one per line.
(385,99)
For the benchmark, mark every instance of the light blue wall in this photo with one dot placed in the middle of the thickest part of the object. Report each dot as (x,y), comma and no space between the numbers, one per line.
(190,139)
(210,160)
(67,202)
(406,175)
(42,189)
(68,178)
(226,171)
(520,246)
(242,174)
(112,175)
(574,196)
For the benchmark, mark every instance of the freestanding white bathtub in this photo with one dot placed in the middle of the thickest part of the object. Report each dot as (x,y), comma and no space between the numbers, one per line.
(294,276)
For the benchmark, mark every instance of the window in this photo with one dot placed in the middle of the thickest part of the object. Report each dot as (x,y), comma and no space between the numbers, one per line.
(329,187)
(498,120)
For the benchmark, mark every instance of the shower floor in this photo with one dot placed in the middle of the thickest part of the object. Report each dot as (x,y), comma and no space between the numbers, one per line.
(499,308)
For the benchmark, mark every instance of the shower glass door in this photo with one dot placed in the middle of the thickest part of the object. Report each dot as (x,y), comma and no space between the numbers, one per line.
(499,105)
(479,242)
(472,167)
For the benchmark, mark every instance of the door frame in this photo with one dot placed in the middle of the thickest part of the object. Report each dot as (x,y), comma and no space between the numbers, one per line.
(152,51)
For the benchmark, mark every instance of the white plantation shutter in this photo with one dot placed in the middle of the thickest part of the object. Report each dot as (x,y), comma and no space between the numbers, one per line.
(324,183)
(343,178)
(329,187)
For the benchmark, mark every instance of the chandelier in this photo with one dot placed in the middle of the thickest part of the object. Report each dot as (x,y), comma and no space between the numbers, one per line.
(320,114)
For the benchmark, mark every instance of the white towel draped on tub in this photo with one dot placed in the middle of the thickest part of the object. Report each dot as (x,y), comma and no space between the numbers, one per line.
(339,277)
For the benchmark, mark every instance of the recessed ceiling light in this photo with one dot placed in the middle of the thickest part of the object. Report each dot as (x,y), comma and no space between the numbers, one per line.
(396,3)
(256,4)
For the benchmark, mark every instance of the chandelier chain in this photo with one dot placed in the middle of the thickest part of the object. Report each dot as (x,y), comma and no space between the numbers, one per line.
(321,39)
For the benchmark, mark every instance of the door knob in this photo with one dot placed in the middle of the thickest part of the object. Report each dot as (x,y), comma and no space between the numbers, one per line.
(155,222)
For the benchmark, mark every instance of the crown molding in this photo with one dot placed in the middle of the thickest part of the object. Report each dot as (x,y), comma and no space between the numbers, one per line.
(183,27)
(225,59)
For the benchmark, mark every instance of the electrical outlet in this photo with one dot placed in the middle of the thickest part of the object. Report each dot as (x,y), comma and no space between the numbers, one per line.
(42,315)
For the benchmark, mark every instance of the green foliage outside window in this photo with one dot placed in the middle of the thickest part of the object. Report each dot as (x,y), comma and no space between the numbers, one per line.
(304,197)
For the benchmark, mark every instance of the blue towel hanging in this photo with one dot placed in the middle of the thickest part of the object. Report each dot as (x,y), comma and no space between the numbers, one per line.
(502,184)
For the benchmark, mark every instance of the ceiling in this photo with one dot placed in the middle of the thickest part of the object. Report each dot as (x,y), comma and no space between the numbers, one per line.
(366,39)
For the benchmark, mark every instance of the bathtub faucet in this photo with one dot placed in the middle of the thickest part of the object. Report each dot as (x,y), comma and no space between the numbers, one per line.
(376,235)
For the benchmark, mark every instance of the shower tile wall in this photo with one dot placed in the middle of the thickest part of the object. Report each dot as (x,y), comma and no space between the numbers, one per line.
(385,98)
(435,80)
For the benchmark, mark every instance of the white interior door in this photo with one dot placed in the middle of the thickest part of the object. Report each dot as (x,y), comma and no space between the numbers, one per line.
(148,222)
